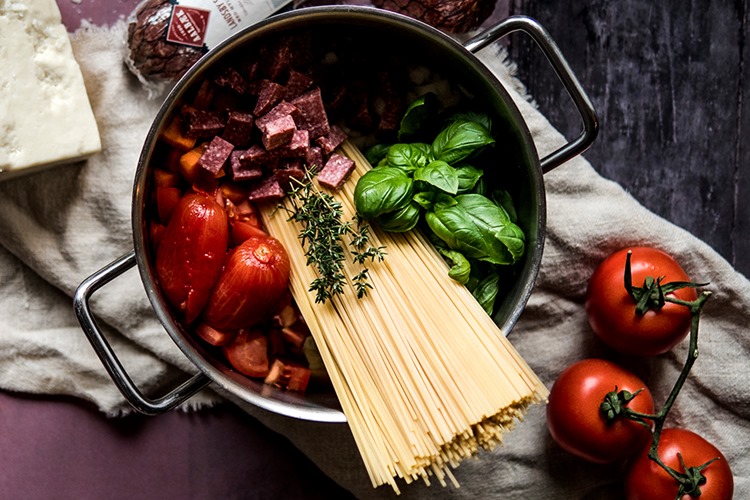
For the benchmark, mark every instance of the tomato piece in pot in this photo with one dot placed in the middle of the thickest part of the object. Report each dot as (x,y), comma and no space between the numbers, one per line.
(646,480)
(612,312)
(213,336)
(167,199)
(243,231)
(577,424)
(252,286)
(248,353)
(191,253)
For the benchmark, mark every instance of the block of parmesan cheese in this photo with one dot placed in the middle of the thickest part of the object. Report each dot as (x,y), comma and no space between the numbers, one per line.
(45,114)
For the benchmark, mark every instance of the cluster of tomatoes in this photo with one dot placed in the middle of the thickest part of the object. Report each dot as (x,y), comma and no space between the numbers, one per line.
(604,413)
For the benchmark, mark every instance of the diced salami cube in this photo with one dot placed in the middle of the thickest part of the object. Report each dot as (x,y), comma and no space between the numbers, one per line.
(269,96)
(267,190)
(297,147)
(257,156)
(281,109)
(296,84)
(313,117)
(216,155)
(278,132)
(315,158)
(200,124)
(242,172)
(232,80)
(287,170)
(336,171)
(238,128)
(329,142)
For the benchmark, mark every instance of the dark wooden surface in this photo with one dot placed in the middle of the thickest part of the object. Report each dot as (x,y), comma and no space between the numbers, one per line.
(670,82)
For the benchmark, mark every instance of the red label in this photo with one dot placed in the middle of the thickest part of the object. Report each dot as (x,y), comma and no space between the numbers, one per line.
(187,26)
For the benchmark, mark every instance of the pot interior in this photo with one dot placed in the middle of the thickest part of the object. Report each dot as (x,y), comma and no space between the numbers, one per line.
(382,38)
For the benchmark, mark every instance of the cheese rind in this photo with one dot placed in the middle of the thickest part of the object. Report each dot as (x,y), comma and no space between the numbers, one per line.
(45,113)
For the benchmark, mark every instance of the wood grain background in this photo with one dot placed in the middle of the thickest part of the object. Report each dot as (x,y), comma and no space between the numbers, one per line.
(670,82)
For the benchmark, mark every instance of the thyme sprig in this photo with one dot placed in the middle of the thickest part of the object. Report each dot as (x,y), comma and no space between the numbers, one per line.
(322,236)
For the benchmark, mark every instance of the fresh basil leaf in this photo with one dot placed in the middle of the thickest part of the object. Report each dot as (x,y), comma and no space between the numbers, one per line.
(401,220)
(468,177)
(460,269)
(425,199)
(502,198)
(376,153)
(486,292)
(459,140)
(420,113)
(382,190)
(514,240)
(476,227)
(474,116)
(409,157)
(440,175)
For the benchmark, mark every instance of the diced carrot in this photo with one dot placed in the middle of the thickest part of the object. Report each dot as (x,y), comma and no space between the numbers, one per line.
(234,192)
(190,163)
(298,378)
(166,178)
(173,136)
(289,376)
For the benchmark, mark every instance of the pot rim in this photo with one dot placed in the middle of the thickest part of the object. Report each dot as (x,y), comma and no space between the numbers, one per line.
(237,386)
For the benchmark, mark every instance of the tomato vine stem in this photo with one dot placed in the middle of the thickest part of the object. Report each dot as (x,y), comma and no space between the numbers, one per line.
(653,295)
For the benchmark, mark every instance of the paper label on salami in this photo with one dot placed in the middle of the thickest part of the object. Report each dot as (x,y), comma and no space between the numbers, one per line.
(199,23)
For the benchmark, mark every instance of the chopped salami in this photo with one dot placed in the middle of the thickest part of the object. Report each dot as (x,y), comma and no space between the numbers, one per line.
(268,189)
(269,95)
(216,155)
(278,132)
(315,159)
(329,142)
(336,171)
(232,80)
(257,156)
(238,128)
(281,109)
(291,169)
(241,172)
(313,117)
(296,84)
(297,147)
(200,124)
(277,59)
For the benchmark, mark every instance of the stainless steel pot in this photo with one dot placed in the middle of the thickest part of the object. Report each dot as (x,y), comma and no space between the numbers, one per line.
(524,172)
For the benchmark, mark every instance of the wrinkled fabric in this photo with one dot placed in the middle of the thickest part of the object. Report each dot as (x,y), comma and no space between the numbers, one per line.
(58,227)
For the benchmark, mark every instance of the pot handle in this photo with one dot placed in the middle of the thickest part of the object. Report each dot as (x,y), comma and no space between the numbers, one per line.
(108,357)
(548,46)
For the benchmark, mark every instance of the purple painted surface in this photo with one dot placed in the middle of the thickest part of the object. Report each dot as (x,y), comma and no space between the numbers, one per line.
(62,449)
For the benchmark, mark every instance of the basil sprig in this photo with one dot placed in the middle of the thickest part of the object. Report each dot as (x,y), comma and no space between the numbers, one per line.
(433,181)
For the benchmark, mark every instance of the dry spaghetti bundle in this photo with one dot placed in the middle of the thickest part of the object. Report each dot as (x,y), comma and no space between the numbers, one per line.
(423,374)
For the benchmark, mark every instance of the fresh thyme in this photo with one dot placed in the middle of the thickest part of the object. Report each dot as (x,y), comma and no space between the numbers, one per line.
(322,233)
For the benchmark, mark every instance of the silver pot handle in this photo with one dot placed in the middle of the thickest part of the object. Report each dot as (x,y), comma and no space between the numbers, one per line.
(563,71)
(108,357)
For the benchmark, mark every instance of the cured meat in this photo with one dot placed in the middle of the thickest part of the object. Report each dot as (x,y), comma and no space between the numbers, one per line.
(313,117)
(216,155)
(238,129)
(336,171)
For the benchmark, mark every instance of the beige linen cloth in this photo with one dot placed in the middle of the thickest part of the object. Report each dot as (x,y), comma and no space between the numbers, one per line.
(60,226)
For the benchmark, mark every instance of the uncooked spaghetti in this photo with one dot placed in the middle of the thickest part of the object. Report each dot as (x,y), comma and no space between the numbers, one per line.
(424,376)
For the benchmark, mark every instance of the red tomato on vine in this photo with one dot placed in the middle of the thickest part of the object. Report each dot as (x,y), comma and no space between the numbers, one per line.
(639,319)
(579,424)
(687,453)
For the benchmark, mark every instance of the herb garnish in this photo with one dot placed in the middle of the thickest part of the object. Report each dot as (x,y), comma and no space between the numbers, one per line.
(322,236)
